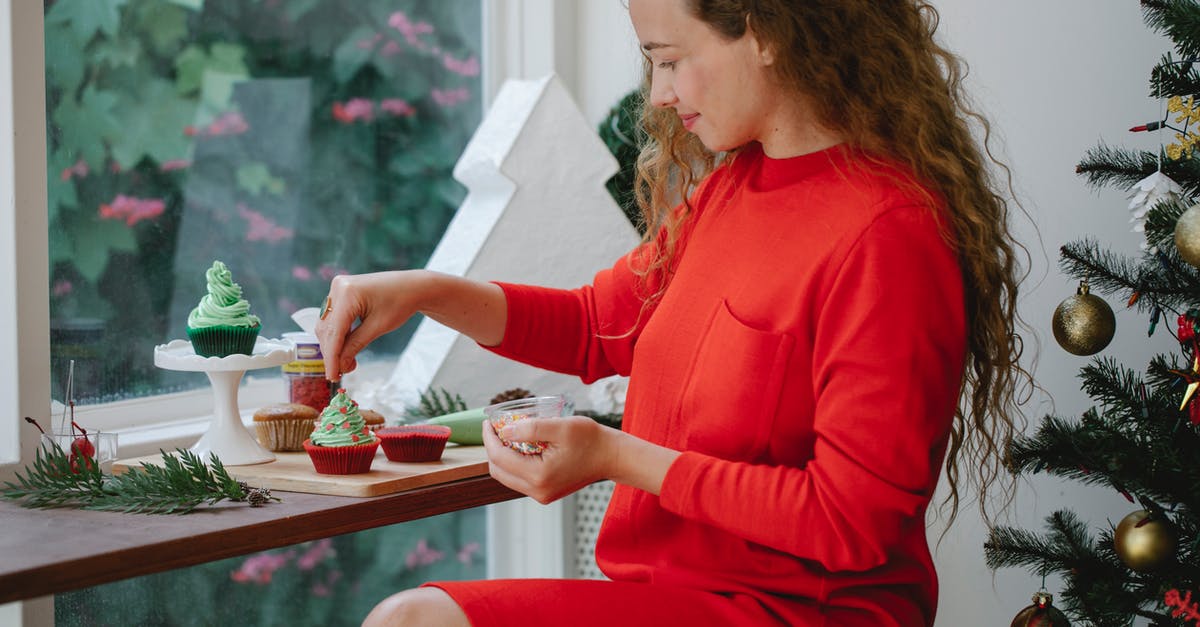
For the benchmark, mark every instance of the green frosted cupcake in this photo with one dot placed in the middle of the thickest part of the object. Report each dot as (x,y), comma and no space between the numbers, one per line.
(221,324)
(341,443)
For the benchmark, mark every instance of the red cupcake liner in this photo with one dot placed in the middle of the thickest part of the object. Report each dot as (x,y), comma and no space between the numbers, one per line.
(413,443)
(342,460)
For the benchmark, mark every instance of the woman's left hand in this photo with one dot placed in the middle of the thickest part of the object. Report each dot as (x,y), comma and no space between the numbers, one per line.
(579,451)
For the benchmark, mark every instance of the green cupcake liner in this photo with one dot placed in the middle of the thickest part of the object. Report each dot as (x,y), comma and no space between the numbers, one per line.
(221,341)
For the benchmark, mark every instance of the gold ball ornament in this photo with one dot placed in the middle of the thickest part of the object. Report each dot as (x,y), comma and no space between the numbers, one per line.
(1084,324)
(1041,614)
(1144,545)
(1187,235)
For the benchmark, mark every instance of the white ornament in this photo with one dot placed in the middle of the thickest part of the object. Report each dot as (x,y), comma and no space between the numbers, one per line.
(1147,193)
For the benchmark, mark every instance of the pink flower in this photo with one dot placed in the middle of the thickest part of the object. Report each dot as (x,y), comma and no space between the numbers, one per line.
(467,552)
(80,169)
(62,287)
(467,67)
(316,553)
(302,273)
(450,97)
(325,588)
(228,123)
(260,568)
(132,209)
(390,49)
(174,164)
(353,109)
(397,106)
(422,555)
(327,272)
(410,30)
(261,227)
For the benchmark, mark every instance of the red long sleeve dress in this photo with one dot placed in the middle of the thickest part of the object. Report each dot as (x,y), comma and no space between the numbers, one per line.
(806,358)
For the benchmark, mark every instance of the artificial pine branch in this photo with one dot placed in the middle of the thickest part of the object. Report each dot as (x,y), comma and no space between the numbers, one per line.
(434,403)
(1112,384)
(1160,224)
(1163,281)
(1105,165)
(1177,19)
(1170,77)
(180,485)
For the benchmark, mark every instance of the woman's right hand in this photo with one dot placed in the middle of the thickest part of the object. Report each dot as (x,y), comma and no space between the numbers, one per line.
(382,301)
(379,302)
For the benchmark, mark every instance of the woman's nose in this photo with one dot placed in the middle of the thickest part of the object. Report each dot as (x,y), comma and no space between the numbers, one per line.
(662,93)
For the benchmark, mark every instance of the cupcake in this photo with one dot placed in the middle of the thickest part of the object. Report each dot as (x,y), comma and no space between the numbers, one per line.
(341,443)
(284,426)
(373,419)
(221,324)
(413,443)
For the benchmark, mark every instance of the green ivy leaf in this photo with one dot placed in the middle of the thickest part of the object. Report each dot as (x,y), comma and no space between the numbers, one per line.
(61,248)
(65,60)
(256,178)
(194,62)
(86,125)
(297,9)
(194,5)
(102,237)
(117,52)
(166,25)
(60,194)
(152,123)
(349,57)
(87,17)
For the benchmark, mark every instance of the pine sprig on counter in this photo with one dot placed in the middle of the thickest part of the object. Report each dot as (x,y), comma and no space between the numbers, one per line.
(179,486)
(434,403)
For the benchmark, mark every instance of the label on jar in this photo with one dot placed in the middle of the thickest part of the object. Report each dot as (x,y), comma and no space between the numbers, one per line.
(305,366)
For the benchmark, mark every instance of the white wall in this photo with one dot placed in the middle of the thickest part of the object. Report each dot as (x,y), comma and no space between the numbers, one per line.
(1055,78)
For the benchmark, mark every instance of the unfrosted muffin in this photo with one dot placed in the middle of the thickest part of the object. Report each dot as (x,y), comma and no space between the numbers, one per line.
(373,419)
(413,443)
(284,426)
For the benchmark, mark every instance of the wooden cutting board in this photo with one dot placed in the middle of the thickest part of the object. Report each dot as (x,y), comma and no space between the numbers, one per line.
(293,472)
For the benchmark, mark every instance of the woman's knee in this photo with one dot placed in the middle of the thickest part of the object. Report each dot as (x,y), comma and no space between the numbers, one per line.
(416,607)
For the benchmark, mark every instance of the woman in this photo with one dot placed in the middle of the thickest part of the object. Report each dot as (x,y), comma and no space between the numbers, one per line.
(798,333)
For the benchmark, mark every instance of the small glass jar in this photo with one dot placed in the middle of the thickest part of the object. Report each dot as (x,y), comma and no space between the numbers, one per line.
(305,376)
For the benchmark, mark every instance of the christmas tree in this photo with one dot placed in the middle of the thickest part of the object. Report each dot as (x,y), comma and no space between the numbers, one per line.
(1142,438)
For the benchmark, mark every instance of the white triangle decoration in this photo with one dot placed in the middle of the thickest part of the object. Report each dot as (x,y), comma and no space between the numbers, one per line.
(536,212)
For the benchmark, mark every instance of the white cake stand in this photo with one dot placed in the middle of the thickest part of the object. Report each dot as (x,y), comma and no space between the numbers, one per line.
(227,438)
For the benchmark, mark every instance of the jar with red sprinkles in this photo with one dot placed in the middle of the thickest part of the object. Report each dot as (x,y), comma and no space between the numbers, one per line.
(305,376)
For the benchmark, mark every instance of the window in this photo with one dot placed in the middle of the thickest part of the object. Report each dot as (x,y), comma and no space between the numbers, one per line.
(291,139)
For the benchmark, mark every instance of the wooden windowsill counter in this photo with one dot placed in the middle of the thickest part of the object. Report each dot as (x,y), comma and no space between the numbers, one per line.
(57,550)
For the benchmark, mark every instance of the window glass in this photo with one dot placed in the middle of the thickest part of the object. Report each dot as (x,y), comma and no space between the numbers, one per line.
(291,139)
(333,581)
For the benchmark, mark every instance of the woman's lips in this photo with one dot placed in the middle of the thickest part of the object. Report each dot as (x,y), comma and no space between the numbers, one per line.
(689,120)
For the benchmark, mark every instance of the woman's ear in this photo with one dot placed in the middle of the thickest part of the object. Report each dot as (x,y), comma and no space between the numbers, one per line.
(765,52)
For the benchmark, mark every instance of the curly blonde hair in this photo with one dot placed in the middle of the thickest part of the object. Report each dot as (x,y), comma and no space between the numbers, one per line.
(888,88)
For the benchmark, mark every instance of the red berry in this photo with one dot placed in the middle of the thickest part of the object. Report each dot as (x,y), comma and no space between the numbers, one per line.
(83,446)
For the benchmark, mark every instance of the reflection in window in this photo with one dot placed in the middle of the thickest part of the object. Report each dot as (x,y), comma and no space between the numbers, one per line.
(291,139)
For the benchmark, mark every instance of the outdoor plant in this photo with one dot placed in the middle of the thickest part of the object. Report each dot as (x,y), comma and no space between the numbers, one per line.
(292,139)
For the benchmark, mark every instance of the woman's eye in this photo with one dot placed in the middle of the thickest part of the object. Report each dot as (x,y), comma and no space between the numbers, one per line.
(666,65)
